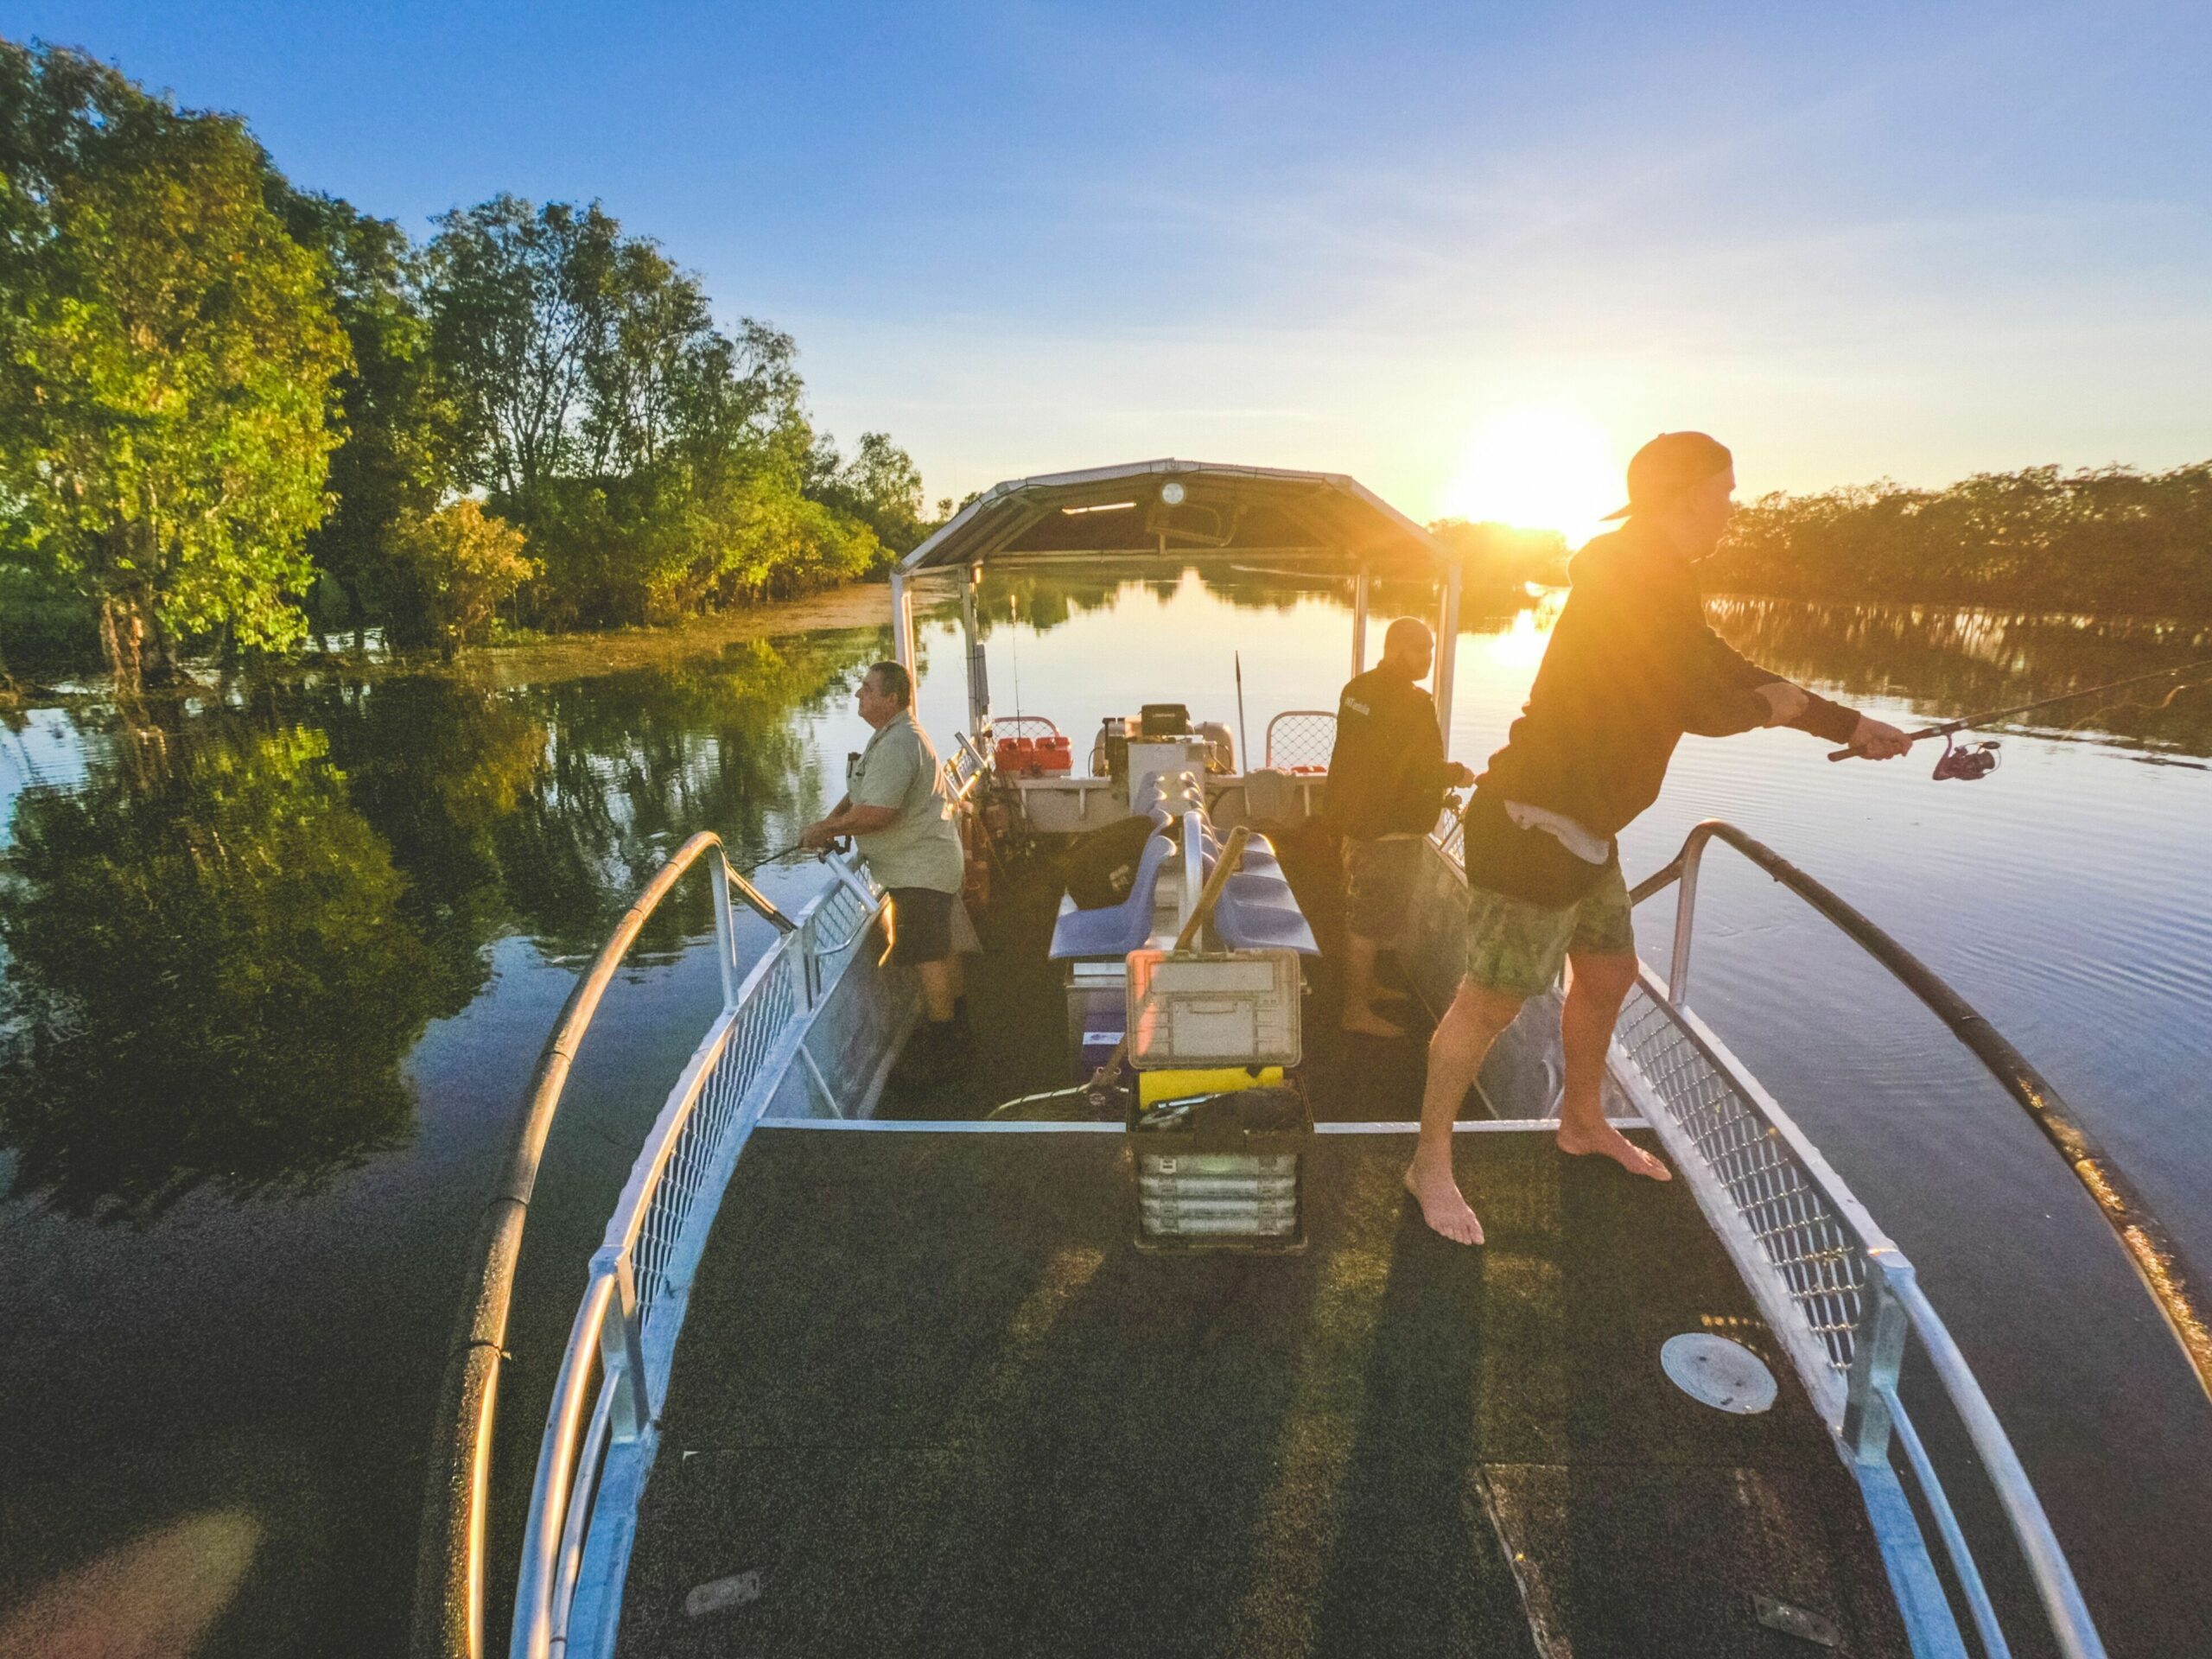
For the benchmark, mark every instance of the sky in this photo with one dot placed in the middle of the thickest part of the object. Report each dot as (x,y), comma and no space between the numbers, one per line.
(1472,254)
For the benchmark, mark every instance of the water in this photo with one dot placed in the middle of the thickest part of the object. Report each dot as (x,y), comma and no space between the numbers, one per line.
(275,978)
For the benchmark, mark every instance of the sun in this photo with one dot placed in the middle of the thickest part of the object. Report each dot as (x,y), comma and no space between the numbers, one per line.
(1541,467)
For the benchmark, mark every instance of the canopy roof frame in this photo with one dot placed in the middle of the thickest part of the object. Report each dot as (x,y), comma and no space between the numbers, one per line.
(1049,519)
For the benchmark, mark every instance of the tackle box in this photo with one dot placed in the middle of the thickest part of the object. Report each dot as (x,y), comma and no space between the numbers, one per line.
(1233,1007)
(1223,1170)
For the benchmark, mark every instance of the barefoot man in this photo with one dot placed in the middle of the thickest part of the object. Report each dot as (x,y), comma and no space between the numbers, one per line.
(1631,667)
(1386,778)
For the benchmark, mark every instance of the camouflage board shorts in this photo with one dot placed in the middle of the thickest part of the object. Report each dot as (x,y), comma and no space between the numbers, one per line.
(1518,948)
(1378,885)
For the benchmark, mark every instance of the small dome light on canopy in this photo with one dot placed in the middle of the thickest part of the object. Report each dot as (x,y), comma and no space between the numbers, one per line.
(1171,493)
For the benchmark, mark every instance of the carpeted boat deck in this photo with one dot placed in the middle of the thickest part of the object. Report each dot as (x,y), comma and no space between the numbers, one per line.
(932,1395)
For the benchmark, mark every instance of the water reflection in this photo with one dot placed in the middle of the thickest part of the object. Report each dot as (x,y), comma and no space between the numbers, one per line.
(1954,662)
(224,942)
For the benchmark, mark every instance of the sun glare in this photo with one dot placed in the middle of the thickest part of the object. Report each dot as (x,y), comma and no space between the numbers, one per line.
(1541,467)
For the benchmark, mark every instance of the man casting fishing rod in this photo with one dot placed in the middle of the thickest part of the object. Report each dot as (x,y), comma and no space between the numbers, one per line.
(1630,668)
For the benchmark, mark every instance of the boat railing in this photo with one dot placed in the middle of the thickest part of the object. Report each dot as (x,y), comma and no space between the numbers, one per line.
(2149,1246)
(1840,1297)
(1301,739)
(644,1244)
(613,1373)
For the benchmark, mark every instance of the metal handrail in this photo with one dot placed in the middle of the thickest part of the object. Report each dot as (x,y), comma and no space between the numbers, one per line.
(2150,1249)
(448,1614)
(618,1336)
(1839,1295)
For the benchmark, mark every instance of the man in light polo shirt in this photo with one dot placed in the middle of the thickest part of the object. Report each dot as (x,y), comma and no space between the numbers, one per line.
(897,809)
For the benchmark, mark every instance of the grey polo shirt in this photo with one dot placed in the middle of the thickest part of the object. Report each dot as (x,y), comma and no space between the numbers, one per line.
(899,769)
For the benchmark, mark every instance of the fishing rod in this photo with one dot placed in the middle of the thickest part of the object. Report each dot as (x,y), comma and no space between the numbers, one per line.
(1244,743)
(1980,761)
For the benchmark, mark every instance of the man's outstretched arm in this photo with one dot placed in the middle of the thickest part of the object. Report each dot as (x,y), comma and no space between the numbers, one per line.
(1793,705)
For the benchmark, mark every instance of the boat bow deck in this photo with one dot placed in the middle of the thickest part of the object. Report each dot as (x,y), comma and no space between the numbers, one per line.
(929,1392)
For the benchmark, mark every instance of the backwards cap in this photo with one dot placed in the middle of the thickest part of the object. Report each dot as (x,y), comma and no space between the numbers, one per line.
(1670,466)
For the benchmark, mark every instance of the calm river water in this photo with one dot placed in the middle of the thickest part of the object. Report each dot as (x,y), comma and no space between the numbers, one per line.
(270,987)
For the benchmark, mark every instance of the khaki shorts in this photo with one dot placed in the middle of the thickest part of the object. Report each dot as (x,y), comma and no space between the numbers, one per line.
(1379,884)
(1518,948)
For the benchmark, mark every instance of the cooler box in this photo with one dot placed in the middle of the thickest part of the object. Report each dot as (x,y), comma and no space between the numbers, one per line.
(1098,1008)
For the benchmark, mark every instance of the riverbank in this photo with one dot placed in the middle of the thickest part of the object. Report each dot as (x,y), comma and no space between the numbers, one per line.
(536,661)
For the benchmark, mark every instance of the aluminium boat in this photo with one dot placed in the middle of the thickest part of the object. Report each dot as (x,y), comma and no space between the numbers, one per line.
(1124,1338)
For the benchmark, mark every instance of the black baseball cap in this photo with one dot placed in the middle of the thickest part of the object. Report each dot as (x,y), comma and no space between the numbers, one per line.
(1670,464)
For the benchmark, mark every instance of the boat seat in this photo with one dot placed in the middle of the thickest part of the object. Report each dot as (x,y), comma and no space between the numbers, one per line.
(1114,930)
(1257,911)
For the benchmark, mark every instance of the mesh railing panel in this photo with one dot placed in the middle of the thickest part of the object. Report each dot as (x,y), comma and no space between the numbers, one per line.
(1301,737)
(759,1023)
(1450,835)
(1022,725)
(1816,1258)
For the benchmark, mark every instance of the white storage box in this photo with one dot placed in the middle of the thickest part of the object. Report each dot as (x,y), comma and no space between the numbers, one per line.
(1236,1007)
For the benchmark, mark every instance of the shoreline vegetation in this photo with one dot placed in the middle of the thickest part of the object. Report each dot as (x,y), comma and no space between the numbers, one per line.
(240,421)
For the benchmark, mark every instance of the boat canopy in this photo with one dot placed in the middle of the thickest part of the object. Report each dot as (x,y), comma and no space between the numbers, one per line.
(1186,509)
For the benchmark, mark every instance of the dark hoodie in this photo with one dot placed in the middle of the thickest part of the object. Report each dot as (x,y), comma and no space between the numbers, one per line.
(1632,666)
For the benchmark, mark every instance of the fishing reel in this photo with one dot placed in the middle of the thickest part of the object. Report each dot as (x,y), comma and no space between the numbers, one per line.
(1967,761)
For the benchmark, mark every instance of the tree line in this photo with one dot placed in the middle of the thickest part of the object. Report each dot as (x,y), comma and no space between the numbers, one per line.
(233,412)
(2109,539)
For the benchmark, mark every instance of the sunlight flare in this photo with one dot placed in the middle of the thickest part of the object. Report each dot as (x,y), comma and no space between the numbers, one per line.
(1540,467)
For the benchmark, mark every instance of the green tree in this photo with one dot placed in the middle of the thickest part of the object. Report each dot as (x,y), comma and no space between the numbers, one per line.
(166,357)
(455,567)
(517,298)
(2108,539)
(879,486)
(399,420)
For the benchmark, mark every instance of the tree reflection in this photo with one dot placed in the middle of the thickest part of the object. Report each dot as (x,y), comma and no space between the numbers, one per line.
(637,762)
(1951,662)
(220,948)
(209,978)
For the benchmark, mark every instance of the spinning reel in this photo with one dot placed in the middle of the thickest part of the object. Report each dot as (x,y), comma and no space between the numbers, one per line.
(1967,761)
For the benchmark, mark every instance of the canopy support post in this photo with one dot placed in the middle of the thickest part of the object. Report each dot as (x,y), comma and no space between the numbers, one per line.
(1359,622)
(902,621)
(1447,650)
(979,679)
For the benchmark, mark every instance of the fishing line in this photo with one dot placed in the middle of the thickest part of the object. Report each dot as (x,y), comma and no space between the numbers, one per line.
(1945,729)
(2159,706)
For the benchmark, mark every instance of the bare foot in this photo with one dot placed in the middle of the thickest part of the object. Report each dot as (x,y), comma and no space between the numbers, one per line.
(1610,1142)
(1368,1023)
(1441,1204)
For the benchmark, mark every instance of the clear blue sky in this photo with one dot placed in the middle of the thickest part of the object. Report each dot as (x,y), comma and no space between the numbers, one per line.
(1853,241)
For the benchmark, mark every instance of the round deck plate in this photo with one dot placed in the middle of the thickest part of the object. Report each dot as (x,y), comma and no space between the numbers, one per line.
(1717,1372)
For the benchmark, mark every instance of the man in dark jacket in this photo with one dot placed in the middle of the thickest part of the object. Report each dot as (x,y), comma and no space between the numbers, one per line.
(1630,668)
(1386,778)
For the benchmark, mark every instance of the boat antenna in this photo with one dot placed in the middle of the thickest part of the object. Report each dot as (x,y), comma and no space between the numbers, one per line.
(1244,742)
(1972,722)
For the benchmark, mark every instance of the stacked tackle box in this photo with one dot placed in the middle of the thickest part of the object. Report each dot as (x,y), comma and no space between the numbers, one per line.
(1220,1134)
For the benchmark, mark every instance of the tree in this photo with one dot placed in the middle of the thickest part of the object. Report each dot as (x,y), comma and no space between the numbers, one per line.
(518,303)
(399,418)
(166,357)
(457,565)
(879,486)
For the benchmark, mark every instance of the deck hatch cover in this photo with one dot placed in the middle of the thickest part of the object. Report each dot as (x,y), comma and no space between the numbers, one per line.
(1716,1372)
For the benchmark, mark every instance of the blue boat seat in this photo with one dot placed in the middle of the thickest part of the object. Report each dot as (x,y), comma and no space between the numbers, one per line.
(1115,929)
(1256,910)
